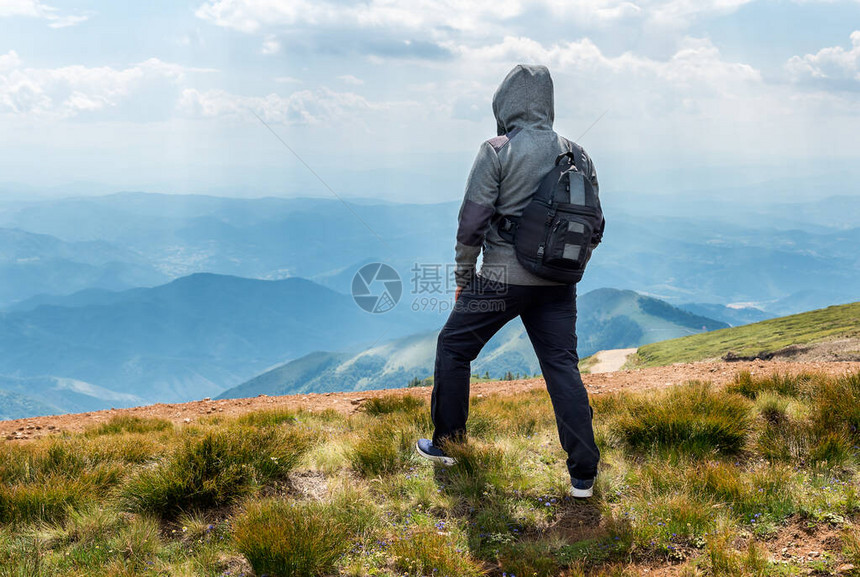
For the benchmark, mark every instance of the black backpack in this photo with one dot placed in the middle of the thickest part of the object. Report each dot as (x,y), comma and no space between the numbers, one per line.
(562,223)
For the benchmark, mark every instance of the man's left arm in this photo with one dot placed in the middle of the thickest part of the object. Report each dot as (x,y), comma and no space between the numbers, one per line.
(476,212)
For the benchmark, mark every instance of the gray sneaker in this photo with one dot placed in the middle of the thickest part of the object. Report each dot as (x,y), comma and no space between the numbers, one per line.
(582,488)
(427,450)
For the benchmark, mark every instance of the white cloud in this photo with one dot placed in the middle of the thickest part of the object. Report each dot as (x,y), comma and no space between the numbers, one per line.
(350,79)
(680,13)
(169,69)
(382,26)
(192,38)
(833,63)
(663,13)
(270,45)
(301,107)
(695,74)
(410,29)
(36,9)
(254,15)
(9,61)
(70,90)
(695,99)
(476,16)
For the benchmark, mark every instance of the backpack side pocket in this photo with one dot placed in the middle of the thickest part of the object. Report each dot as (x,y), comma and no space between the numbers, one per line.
(568,243)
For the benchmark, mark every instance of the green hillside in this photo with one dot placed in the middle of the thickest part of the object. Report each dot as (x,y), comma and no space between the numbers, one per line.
(836,322)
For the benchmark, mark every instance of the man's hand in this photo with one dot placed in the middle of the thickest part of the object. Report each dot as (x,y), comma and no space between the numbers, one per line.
(457,293)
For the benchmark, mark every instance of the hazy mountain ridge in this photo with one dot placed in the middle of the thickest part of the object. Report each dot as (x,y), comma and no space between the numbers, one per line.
(17,406)
(680,250)
(202,333)
(608,319)
(187,339)
(732,315)
(32,396)
(33,263)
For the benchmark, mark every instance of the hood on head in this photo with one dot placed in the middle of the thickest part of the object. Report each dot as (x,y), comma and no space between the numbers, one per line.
(524,98)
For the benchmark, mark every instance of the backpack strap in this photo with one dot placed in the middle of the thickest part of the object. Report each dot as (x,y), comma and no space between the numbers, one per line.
(499,142)
(577,161)
(546,190)
(507,227)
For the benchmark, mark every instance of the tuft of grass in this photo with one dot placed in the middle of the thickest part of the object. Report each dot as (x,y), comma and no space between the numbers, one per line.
(761,497)
(773,407)
(722,559)
(536,558)
(83,526)
(832,449)
(215,470)
(387,448)
(836,406)
(495,417)
(388,404)
(40,482)
(272,418)
(481,471)
(128,448)
(291,539)
(130,424)
(692,419)
(21,557)
(825,430)
(598,550)
(30,503)
(137,544)
(851,545)
(429,552)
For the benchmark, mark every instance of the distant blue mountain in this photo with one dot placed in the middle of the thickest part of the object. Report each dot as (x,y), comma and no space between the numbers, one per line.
(781,257)
(17,406)
(28,397)
(187,339)
(31,264)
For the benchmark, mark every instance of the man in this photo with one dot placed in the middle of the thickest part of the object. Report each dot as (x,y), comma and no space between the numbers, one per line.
(504,176)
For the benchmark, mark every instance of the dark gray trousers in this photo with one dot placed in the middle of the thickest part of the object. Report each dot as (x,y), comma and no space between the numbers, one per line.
(549,316)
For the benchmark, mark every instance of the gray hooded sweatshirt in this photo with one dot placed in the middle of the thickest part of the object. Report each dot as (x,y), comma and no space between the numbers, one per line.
(506,172)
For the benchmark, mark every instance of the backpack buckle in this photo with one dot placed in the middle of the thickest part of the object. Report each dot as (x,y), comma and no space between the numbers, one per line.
(569,155)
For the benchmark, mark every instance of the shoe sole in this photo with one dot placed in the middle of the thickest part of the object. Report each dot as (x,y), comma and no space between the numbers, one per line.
(447,461)
(581,493)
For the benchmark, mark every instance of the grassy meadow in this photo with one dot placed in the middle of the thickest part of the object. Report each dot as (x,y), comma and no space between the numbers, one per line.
(762,338)
(695,476)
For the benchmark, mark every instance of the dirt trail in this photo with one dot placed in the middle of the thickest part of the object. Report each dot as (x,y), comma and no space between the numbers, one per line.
(637,380)
(611,360)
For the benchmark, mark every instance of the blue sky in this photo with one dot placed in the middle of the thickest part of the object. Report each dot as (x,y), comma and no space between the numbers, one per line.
(391,98)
